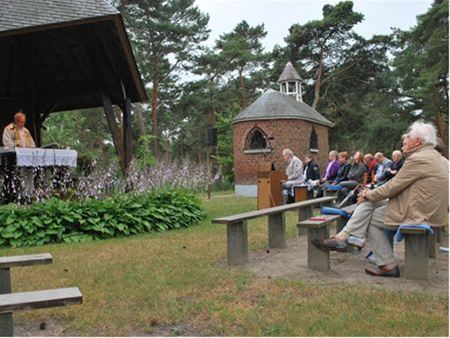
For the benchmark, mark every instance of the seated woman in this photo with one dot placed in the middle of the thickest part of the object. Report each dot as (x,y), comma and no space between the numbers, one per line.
(355,176)
(342,172)
(310,173)
(344,169)
(332,168)
(372,167)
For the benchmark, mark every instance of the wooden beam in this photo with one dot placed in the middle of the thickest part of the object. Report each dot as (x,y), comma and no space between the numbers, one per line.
(30,300)
(122,34)
(116,132)
(126,113)
(25,260)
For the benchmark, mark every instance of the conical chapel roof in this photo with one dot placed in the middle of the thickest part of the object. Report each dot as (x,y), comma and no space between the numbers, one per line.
(273,105)
(289,74)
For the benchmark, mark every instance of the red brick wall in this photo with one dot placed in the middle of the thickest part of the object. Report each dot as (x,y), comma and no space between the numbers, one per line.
(292,134)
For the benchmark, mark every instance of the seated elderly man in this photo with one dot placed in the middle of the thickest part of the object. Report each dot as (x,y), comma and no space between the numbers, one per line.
(416,195)
(394,167)
(383,164)
(294,173)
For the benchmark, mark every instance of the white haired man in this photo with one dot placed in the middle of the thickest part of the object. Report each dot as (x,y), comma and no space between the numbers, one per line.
(417,194)
(16,134)
(294,173)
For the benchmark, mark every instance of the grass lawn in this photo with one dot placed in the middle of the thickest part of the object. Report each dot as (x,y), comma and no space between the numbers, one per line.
(177,283)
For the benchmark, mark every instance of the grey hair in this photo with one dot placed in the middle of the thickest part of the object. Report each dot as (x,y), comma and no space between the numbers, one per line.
(379,155)
(287,152)
(398,153)
(334,153)
(426,132)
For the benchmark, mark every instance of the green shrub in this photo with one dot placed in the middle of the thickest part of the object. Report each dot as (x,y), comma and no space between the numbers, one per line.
(55,220)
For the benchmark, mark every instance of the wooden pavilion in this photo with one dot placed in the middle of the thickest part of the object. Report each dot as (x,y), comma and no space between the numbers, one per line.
(60,55)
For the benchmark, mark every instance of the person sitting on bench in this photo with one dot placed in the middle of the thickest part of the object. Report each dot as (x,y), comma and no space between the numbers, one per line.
(355,175)
(310,173)
(417,195)
(294,173)
(392,170)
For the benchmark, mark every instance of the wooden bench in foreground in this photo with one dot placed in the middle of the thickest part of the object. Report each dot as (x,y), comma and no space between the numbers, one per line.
(12,302)
(237,242)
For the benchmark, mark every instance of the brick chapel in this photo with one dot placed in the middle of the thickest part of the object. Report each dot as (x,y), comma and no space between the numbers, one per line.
(275,121)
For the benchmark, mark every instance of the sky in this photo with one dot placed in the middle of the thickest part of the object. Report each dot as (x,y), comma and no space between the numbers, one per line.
(279,15)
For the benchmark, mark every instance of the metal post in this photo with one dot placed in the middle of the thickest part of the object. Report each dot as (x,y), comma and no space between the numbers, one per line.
(208,164)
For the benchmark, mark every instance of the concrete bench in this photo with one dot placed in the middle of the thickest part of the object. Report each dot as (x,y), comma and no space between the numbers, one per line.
(31,300)
(420,245)
(237,239)
(11,302)
(318,228)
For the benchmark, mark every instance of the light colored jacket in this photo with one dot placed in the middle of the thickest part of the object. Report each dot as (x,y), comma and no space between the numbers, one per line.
(418,194)
(13,137)
(294,169)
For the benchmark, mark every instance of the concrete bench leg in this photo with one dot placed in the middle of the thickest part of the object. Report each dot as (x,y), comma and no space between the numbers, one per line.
(318,259)
(6,319)
(340,224)
(237,244)
(432,244)
(277,231)
(304,214)
(416,256)
(438,235)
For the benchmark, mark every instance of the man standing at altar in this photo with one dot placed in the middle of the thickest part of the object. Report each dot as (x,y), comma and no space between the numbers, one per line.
(16,134)
(18,184)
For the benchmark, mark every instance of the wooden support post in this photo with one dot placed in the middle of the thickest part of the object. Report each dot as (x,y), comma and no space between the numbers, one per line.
(116,132)
(416,255)
(303,214)
(126,113)
(432,244)
(237,244)
(277,231)
(6,319)
(318,259)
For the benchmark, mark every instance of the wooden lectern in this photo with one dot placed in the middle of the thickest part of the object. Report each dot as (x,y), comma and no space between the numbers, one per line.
(269,185)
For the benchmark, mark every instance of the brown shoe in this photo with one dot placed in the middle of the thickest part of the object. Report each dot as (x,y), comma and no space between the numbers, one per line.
(330,245)
(383,271)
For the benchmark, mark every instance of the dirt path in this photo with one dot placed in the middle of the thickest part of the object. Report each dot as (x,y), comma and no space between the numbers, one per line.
(346,268)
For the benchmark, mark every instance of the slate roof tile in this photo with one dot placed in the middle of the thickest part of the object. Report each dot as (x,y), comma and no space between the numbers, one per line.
(275,105)
(17,14)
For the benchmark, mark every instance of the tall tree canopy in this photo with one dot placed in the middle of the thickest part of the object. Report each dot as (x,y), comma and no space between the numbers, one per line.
(319,44)
(422,65)
(166,35)
(241,52)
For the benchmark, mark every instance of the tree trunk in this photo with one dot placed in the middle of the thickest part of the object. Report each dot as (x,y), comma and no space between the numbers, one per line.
(438,116)
(315,104)
(243,91)
(140,118)
(155,118)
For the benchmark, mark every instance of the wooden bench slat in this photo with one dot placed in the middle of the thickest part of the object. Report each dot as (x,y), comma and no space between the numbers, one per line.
(39,299)
(25,260)
(270,211)
(315,222)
